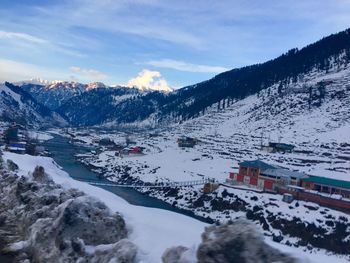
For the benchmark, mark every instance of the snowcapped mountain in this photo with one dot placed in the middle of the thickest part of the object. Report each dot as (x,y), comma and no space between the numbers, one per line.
(19,106)
(291,73)
(95,85)
(312,113)
(101,105)
(54,94)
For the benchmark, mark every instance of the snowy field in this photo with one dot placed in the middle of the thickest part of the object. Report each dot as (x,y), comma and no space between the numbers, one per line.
(41,136)
(234,134)
(153,230)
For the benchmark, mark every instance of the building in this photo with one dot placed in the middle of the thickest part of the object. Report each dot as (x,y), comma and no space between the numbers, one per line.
(261,175)
(106,142)
(334,201)
(186,142)
(327,185)
(18,147)
(133,151)
(278,147)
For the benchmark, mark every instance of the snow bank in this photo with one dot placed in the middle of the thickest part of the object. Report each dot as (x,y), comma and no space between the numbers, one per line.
(41,136)
(152,230)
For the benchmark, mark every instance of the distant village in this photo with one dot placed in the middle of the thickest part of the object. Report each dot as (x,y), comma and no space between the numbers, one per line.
(260,176)
(15,138)
(254,175)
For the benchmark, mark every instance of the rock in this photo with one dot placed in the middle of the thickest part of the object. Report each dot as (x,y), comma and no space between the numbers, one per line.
(40,176)
(237,242)
(175,255)
(44,222)
(278,238)
(122,252)
(12,166)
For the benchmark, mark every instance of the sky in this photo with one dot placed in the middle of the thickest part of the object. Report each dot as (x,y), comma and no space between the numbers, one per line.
(164,43)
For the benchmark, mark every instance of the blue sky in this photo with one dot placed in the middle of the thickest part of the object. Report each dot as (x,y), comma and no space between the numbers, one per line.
(179,42)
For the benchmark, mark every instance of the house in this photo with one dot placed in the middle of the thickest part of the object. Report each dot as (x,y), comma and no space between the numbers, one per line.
(261,175)
(186,142)
(133,151)
(327,185)
(281,147)
(210,187)
(335,193)
(17,147)
(106,142)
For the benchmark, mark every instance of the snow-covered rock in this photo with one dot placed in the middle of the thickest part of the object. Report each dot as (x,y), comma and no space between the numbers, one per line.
(43,222)
(239,241)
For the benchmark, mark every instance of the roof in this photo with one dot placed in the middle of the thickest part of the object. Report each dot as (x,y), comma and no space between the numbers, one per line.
(257,164)
(13,148)
(280,172)
(17,145)
(282,145)
(328,181)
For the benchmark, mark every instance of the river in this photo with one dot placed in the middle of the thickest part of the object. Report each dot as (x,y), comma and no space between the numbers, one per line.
(64,154)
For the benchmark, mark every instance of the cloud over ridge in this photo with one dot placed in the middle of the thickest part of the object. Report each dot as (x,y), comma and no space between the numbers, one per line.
(149,80)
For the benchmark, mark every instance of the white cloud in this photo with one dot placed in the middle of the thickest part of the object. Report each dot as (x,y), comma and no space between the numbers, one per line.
(149,80)
(184,66)
(24,40)
(22,37)
(12,71)
(89,74)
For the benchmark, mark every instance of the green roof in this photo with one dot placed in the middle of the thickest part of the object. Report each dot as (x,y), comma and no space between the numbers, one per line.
(282,145)
(328,181)
(257,164)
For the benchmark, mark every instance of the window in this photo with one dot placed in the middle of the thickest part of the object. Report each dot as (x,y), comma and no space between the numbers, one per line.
(243,170)
(255,171)
(325,189)
(317,187)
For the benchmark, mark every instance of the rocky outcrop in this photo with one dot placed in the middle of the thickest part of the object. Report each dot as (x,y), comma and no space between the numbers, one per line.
(42,222)
(239,242)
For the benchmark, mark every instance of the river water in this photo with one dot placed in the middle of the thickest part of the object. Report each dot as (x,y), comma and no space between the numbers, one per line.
(64,154)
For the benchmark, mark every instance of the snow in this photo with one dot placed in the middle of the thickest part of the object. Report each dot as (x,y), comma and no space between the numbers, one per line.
(41,136)
(14,95)
(152,230)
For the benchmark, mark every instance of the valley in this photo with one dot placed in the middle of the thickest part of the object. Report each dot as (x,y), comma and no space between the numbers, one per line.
(247,144)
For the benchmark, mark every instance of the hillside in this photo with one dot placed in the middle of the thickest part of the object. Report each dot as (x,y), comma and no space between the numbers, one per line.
(16,105)
(311,113)
(77,102)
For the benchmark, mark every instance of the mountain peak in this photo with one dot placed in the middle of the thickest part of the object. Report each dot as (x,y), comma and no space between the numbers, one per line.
(95,85)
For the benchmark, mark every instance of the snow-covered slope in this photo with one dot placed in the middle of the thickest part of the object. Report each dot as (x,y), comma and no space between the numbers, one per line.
(19,106)
(295,113)
(311,112)
(152,230)
(53,95)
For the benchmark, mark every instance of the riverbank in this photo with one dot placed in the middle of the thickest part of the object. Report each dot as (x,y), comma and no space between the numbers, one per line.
(152,230)
(303,225)
(66,159)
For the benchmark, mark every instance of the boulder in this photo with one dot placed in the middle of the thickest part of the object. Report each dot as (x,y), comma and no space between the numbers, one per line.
(239,242)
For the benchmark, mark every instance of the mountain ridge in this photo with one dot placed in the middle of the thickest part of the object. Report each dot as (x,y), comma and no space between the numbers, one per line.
(157,108)
(19,106)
